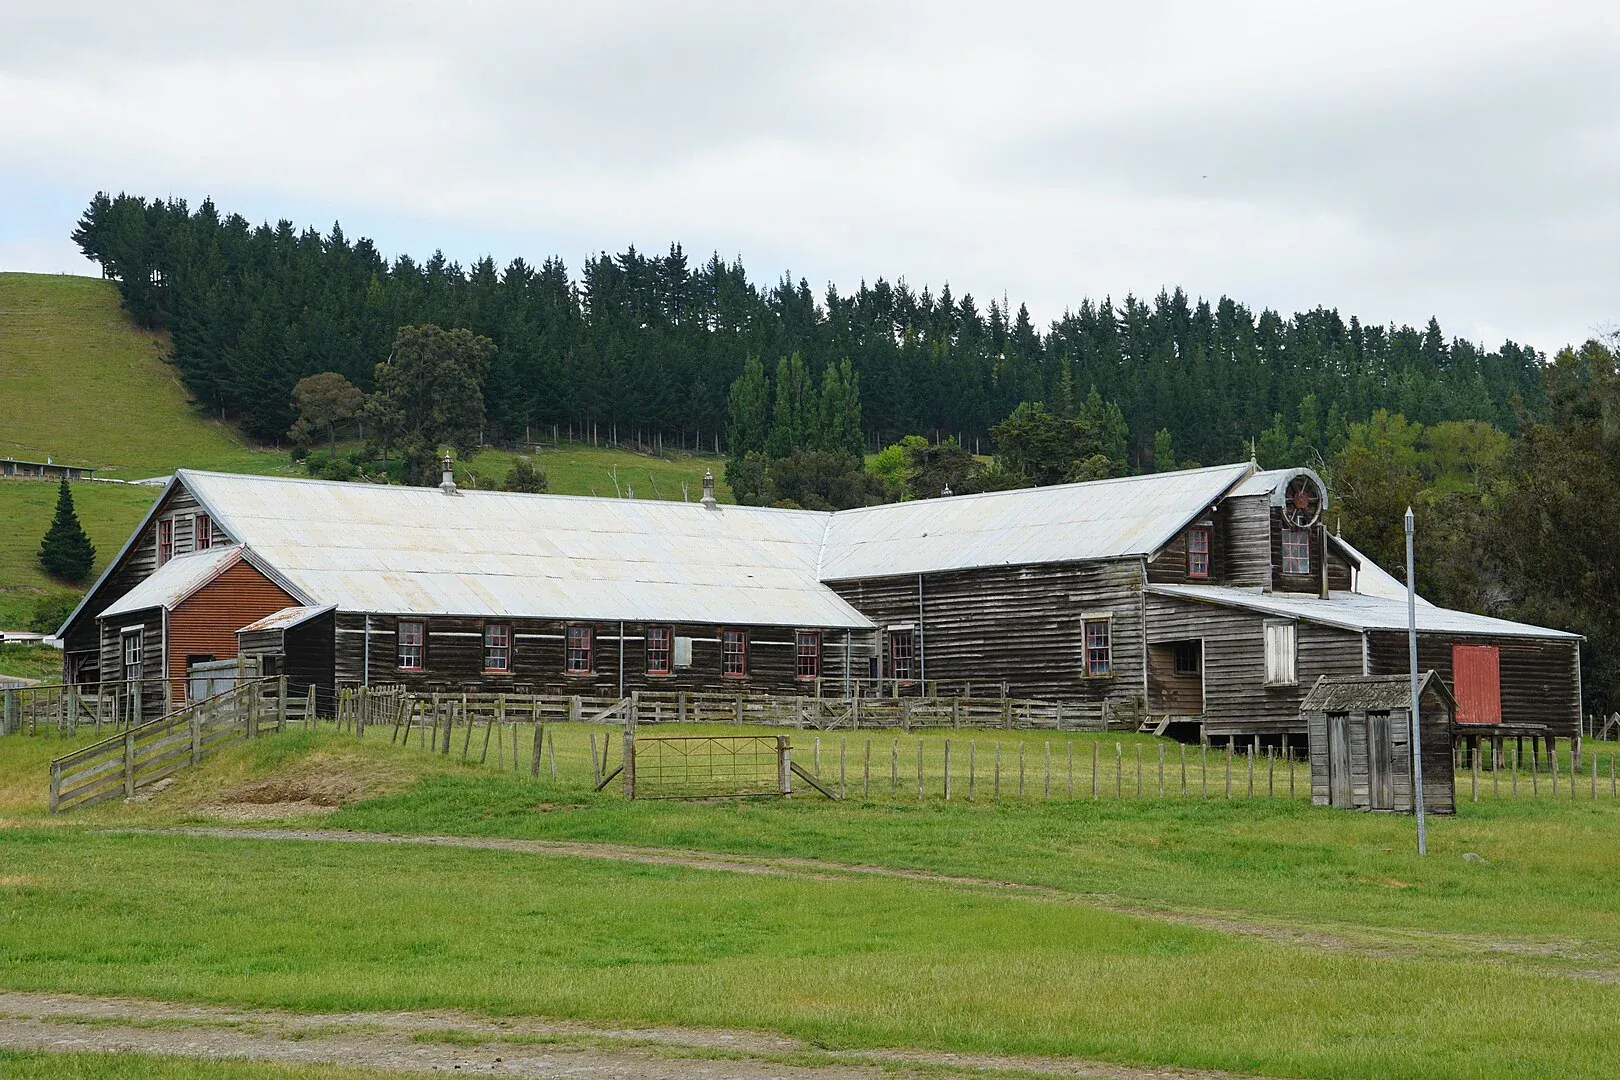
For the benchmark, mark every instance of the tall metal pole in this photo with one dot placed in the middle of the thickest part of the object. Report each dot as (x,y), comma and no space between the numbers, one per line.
(1412,657)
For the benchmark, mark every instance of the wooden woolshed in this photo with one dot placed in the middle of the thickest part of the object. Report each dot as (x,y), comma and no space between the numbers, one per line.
(1359,728)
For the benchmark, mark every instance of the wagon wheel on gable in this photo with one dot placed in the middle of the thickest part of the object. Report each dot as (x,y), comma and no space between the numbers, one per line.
(1302,502)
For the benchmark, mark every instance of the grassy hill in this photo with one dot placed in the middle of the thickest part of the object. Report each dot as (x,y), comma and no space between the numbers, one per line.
(81,384)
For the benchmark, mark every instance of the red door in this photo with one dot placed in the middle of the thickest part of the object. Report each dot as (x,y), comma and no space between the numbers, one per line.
(1477,681)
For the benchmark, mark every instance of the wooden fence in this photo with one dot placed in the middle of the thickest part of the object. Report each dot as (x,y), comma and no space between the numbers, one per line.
(52,708)
(363,707)
(119,766)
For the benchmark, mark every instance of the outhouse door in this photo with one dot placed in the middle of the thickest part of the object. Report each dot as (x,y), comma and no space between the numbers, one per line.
(1338,726)
(1380,763)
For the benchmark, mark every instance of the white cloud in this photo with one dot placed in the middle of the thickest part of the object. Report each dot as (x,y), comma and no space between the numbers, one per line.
(1392,160)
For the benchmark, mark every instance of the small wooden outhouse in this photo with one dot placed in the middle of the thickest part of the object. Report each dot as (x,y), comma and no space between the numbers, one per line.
(1360,740)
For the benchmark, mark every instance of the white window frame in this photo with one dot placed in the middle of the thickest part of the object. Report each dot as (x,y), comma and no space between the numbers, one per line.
(134,670)
(419,645)
(494,651)
(1303,538)
(1280,649)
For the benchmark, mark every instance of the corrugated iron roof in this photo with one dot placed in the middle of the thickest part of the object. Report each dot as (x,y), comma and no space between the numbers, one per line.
(1373,580)
(372,548)
(288,617)
(1132,515)
(1353,611)
(175,580)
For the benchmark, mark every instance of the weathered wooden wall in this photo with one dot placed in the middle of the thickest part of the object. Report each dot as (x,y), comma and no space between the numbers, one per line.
(1247,527)
(153,699)
(1540,677)
(455,657)
(83,653)
(1169,567)
(1018,625)
(1237,701)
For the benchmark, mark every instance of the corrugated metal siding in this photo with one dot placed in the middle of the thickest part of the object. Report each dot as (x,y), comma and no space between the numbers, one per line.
(206,622)
(1478,682)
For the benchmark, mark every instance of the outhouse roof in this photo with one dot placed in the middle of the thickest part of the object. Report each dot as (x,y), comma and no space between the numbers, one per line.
(1374,693)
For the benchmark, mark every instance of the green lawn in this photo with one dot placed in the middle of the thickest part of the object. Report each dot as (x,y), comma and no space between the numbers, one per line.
(1290,940)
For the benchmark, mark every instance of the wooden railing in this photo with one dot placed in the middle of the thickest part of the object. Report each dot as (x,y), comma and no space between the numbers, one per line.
(119,766)
(361,707)
(57,709)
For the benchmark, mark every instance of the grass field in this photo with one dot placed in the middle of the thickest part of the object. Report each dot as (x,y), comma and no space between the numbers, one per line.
(1260,936)
(79,383)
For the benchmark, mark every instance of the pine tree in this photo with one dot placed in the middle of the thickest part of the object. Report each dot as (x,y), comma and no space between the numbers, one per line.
(66,552)
(1164,455)
(748,411)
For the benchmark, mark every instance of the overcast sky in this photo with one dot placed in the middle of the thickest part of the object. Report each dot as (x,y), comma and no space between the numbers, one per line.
(1391,160)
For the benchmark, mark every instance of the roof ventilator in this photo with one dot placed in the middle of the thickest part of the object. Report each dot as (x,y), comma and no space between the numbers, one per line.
(708,499)
(448,484)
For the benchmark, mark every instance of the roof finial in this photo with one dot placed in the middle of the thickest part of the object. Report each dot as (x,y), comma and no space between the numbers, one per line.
(1254,459)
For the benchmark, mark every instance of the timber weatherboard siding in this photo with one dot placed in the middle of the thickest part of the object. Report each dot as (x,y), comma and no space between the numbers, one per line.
(1017,624)
(1247,528)
(1538,676)
(454,657)
(1237,701)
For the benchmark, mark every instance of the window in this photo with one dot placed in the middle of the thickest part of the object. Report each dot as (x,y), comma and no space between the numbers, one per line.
(1198,553)
(902,653)
(1280,645)
(1099,647)
(202,533)
(734,654)
(807,650)
(165,540)
(658,639)
(497,647)
(578,654)
(134,648)
(1296,545)
(408,645)
(1189,657)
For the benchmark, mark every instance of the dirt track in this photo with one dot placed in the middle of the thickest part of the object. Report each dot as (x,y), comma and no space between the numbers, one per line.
(455,1042)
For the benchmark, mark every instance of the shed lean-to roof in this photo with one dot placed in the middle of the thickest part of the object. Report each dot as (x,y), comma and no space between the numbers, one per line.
(1358,693)
(175,580)
(1132,515)
(1353,611)
(287,618)
(372,548)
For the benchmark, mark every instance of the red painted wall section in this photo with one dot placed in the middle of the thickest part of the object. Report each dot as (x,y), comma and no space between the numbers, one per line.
(1476,671)
(206,622)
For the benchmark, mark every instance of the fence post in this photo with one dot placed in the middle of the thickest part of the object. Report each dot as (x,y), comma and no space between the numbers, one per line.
(539,748)
(196,735)
(56,784)
(129,763)
(281,703)
(629,770)
(10,715)
(784,765)
(948,771)
(681,697)
(596,765)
